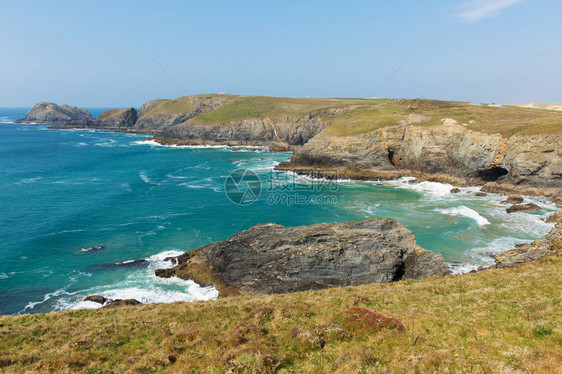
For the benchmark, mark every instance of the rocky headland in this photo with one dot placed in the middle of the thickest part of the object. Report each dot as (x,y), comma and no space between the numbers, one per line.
(270,258)
(504,149)
(50,113)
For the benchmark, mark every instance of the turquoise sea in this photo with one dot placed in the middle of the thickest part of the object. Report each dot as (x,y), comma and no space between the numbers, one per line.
(77,207)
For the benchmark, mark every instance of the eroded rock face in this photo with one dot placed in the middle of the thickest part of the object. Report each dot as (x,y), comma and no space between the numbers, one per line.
(249,132)
(450,149)
(548,245)
(153,115)
(125,118)
(270,258)
(50,113)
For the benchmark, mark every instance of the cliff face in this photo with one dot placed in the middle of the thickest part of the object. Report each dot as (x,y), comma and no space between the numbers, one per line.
(162,114)
(507,149)
(449,149)
(125,118)
(251,131)
(50,113)
(270,258)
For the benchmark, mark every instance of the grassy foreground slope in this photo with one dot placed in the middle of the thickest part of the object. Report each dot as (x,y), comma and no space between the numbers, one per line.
(365,115)
(495,321)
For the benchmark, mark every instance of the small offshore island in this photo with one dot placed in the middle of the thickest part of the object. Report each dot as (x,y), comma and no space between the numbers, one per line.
(290,296)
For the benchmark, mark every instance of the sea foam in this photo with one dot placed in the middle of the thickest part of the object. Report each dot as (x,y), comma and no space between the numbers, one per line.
(465,212)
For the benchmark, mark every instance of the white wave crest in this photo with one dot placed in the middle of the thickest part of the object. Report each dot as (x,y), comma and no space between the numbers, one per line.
(465,212)
(142,285)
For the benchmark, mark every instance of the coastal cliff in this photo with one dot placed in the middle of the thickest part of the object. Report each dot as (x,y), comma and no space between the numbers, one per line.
(505,149)
(270,258)
(472,157)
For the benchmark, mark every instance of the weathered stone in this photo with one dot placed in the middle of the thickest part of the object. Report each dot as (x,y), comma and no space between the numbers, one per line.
(514,200)
(96,299)
(480,194)
(529,207)
(545,246)
(119,302)
(50,113)
(124,118)
(455,190)
(270,258)
(555,217)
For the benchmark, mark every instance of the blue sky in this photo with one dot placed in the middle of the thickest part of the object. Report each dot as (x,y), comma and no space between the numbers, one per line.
(97,53)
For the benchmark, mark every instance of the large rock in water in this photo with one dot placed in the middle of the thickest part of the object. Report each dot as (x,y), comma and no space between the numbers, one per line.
(270,258)
(51,113)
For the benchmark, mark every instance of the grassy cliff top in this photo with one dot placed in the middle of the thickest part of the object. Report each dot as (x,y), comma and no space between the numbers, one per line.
(113,113)
(173,106)
(494,321)
(506,120)
(275,108)
(348,117)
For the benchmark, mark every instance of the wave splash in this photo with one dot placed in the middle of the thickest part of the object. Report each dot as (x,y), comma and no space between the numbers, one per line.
(464,211)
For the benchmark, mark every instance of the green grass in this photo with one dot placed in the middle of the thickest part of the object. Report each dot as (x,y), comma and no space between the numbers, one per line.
(112,113)
(361,116)
(274,108)
(505,120)
(171,106)
(504,320)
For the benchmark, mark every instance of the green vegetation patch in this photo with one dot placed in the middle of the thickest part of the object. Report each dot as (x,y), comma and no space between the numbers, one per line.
(498,320)
(506,120)
(274,108)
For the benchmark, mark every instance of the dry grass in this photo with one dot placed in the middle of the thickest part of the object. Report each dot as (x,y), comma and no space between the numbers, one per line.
(495,321)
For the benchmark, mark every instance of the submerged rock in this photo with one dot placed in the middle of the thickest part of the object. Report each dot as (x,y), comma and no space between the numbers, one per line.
(52,113)
(480,194)
(455,190)
(529,207)
(270,258)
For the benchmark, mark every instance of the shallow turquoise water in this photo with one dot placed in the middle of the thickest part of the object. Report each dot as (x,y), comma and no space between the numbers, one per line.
(63,192)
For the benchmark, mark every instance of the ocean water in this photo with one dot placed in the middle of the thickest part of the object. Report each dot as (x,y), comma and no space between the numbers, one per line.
(78,207)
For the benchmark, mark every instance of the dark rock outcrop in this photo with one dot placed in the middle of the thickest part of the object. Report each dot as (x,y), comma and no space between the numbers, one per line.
(530,207)
(124,118)
(270,258)
(50,113)
(96,299)
(119,302)
(545,246)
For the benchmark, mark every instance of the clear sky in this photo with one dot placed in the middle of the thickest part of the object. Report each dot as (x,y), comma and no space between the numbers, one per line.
(98,53)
